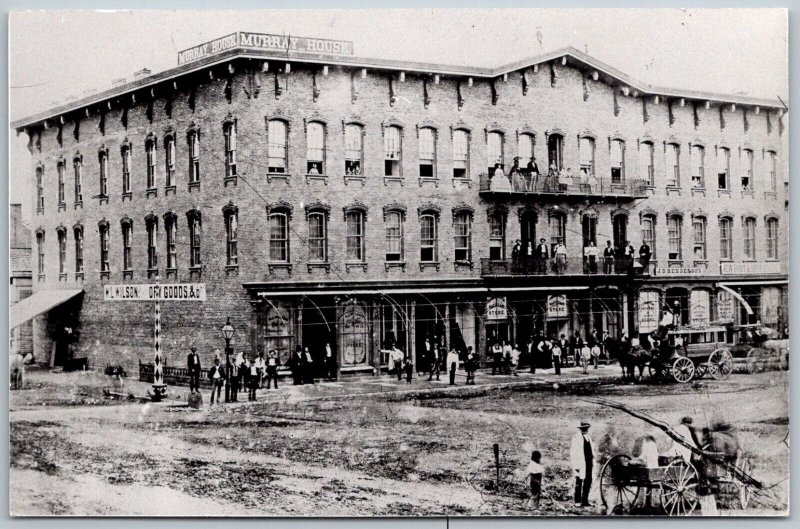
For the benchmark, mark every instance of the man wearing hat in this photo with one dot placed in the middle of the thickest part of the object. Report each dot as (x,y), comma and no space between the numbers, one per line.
(581,456)
(685,430)
(193,365)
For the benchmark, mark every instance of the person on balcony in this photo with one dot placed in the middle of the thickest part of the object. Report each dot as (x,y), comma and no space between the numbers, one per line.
(515,256)
(644,256)
(499,181)
(561,258)
(608,258)
(533,174)
(590,253)
(565,180)
(516,176)
(541,256)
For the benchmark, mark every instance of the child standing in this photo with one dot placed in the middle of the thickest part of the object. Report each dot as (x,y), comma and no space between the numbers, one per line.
(409,369)
(535,471)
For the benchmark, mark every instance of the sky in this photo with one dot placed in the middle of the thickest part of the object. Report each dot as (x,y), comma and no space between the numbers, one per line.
(57,54)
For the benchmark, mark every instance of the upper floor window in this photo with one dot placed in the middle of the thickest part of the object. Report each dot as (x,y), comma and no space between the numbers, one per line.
(40,251)
(78,249)
(674,232)
(353,149)
(494,149)
(646,162)
(649,233)
(699,247)
(152,243)
(429,238)
(393,149)
(171,231)
(558,229)
(394,236)
(62,251)
(555,152)
(497,236)
(355,235)
(77,165)
(193,139)
(125,152)
(617,161)
(587,156)
(427,152)
(698,166)
(723,168)
(725,239)
(229,133)
(315,148)
(150,153)
(40,187)
(169,160)
(103,160)
(60,173)
(747,171)
(525,143)
(277,134)
(104,243)
(462,223)
(750,238)
(318,236)
(673,165)
(279,237)
(460,153)
(195,231)
(773,171)
(127,244)
(772,239)
(231,236)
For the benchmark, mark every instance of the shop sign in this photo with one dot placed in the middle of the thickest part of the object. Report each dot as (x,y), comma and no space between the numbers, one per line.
(261,41)
(772,267)
(557,306)
(497,309)
(680,271)
(648,311)
(700,309)
(153,292)
(725,307)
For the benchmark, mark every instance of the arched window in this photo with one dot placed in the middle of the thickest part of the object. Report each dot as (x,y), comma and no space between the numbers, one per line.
(427,152)
(169,160)
(460,153)
(78,232)
(195,231)
(40,252)
(497,236)
(318,236)
(277,137)
(127,245)
(393,149)
(125,153)
(279,236)
(773,170)
(354,221)
(77,165)
(646,162)
(725,239)
(394,236)
(462,224)
(151,224)
(353,149)
(102,158)
(617,161)
(699,232)
(171,231)
(150,153)
(673,165)
(429,237)
(60,173)
(772,239)
(229,133)
(749,238)
(525,143)
(105,267)
(558,228)
(231,216)
(193,140)
(747,171)
(675,235)
(315,148)
(62,251)
(586,148)
(723,168)
(649,233)
(494,150)
(555,152)
(698,166)
(40,188)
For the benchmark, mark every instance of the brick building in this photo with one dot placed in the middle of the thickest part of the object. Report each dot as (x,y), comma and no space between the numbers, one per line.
(20,283)
(323,197)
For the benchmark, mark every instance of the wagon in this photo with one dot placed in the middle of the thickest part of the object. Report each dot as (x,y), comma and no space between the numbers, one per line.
(757,348)
(704,352)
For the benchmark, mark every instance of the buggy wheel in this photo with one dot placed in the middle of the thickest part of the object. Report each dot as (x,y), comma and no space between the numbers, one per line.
(679,489)
(754,360)
(701,370)
(744,490)
(614,486)
(720,364)
(682,369)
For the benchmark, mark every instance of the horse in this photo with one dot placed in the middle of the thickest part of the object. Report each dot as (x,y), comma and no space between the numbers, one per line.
(17,370)
(630,359)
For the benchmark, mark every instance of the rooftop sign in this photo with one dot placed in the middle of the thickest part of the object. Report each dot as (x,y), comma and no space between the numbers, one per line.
(261,41)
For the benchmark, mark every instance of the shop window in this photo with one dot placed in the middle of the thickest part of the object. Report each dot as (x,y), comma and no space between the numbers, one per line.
(354,335)
(393,149)
(277,328)
(354,151)
(427,152)
(460,154)
(315,148)
(394,236)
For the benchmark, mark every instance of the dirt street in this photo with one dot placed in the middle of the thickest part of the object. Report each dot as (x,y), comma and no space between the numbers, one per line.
(360,456)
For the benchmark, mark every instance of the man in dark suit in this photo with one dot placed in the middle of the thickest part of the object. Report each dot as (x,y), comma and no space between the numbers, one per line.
(193,366)
(217,377)
(644,257)
(297,363)
(608,258)
(541,255)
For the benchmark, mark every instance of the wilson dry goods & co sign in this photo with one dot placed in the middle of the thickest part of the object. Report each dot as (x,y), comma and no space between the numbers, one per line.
(152,292)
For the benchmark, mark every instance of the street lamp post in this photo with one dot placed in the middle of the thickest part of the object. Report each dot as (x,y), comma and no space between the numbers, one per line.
(227,333)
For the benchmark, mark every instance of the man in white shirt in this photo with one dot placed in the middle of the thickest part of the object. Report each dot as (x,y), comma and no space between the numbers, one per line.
(561,258)
(330,362)
(452,365)
(581,456)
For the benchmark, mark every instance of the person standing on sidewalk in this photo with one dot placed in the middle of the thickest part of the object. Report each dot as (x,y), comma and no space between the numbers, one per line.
(434,361)
(409,369)
(556,351)
(581,456)
(330,362)
(515,359)
(596,354)
(260,364)
(253,383)
(452,365)
(576,346)
(193,365)
(586,357)
(506,365)
(497,357)
(272,369)
(308,370)
(217,377)
(397,359)
(296,363)
(471,365)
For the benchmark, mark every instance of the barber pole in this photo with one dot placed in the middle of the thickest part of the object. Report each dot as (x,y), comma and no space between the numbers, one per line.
(159,386)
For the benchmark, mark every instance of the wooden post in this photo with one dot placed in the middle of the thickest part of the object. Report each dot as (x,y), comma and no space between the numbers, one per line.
(412,328)
(376,337)
(447,326)
(481,350)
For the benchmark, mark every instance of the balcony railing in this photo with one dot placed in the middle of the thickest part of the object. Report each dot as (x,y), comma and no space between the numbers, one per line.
(561,185)
(570,266)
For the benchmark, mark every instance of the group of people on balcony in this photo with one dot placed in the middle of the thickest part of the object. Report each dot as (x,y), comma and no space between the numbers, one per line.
(531,179)
(546,259)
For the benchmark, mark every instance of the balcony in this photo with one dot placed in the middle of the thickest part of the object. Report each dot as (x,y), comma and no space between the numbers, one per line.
(571,266)
(562,188)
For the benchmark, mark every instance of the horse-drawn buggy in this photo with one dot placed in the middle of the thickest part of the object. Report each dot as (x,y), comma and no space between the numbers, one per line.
(758,348)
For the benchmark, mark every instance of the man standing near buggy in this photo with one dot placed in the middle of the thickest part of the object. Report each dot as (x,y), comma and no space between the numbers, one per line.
(193,365)
(581,457)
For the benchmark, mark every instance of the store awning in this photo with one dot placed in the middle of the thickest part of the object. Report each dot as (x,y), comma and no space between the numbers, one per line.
(38,303)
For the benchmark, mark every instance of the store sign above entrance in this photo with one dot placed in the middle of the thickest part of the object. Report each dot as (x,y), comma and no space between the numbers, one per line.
(497,309)
(770,267)
(153,292)
(680,271)
(557,307)
(261,41)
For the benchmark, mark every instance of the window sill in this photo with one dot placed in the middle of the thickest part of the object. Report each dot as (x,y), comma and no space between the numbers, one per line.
(103,199)
(673,189)
(40,211)
(169,189)
(195,271)
(171,272)
(350,266)
(62,207)
(423,266)
(41,278)
(462,264)
(393,179)
(747,193)
(79,276)
(127,274)
(232,270)
(127,195)
(62,276)
(319,177)
(79,204)
(428,180)
(699,191)
(462,181)
(152,272)
(388,265)
(319,266)
(286,177)
(152,192)
(194,185)
(231,179)
(675,262)
(770,194)
(105,274)
(355,178)
(279,266)
(701,262)
(721,192)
